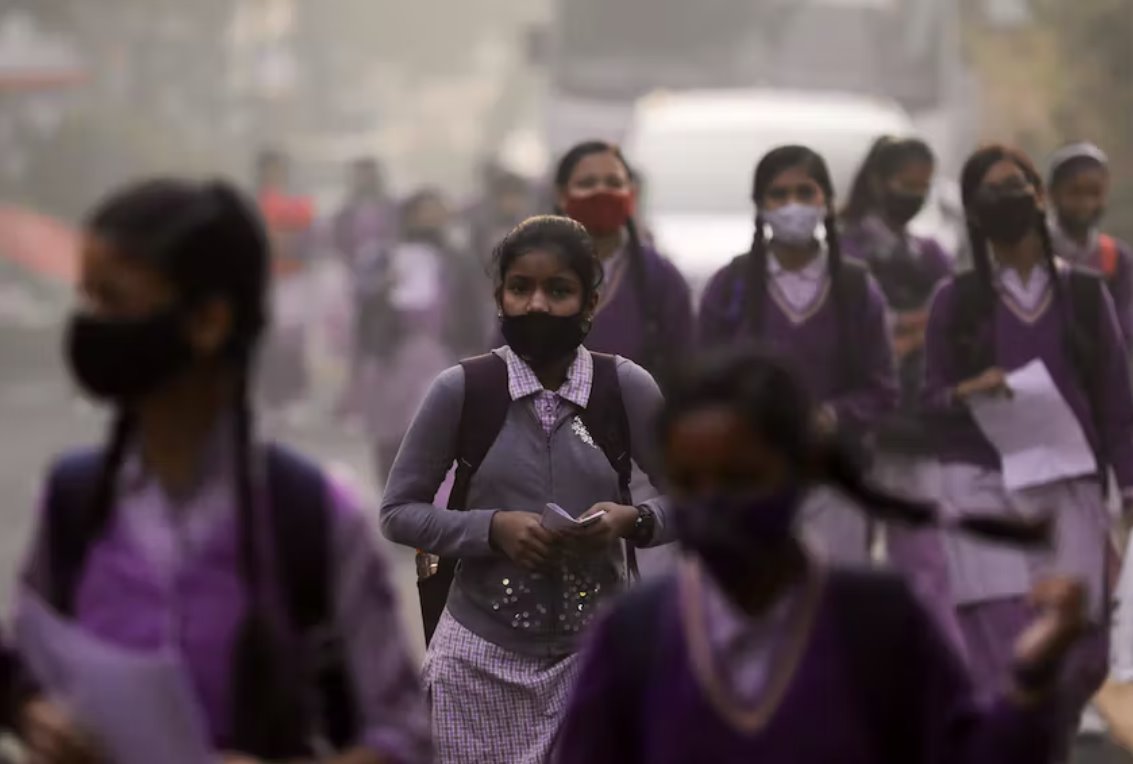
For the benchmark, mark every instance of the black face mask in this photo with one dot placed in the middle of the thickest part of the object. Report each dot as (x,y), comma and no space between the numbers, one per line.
(1006,218)
(540,338)
(901,207)
(122,360)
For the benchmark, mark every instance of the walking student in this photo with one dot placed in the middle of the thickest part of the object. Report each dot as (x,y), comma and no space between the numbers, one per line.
(1079,182)
(754,641)
(541,420)
(795,292)
(185,533)
(645,310)
(1022,305)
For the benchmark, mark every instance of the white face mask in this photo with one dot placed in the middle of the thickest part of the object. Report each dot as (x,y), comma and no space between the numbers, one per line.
(794,224)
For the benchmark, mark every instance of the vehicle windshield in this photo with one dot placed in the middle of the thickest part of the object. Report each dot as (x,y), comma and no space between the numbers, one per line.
(710,171)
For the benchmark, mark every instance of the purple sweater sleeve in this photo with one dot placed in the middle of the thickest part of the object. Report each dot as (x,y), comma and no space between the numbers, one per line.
(941,374)
(395,720)
(956,728)
(1116,395)
(678,327)
(878,395)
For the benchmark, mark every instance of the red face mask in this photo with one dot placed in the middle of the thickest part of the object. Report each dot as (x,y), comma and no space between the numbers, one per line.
(603,213)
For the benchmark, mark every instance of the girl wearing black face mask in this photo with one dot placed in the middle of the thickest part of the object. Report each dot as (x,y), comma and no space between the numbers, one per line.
(185,534)
(540,420)
(754,641)
(1020,305)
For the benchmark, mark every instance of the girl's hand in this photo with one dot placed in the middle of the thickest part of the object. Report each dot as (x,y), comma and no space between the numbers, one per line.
(523,539)
(991,382)
(1040,650)
(53,738)
(618,522)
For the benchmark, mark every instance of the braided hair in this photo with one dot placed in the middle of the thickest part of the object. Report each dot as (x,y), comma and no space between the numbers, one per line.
(773,164)
(775,404)
(208,242)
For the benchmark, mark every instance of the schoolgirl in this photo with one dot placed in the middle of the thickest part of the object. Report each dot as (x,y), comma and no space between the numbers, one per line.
(185,533)
(755,651)
(1079,183)
(546,413)
(1019,305)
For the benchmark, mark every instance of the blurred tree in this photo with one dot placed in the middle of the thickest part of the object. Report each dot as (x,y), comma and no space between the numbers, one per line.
(1064,75)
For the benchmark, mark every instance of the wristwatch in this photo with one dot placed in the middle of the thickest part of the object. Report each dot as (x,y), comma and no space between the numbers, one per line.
(644,527)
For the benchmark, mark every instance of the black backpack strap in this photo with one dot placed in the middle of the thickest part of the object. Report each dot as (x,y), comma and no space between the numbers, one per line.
(302,535)
(606,421)
(872,609)
(486,403)
(1086,297)
(67,522)
(482,416)
(851,294)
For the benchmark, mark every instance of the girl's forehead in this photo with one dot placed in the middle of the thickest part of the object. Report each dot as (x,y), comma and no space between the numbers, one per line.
(1004,170)
(793,176)
(599,163)
(542,263)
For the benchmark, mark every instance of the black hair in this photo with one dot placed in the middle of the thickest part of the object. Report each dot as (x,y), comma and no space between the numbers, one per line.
(653,359)
(887,157)
(208,241)
(973,329)
(770,167)
(763,389)
(567,238)
(416,201)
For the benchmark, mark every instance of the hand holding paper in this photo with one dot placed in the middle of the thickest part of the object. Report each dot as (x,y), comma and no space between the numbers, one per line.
(1036,433)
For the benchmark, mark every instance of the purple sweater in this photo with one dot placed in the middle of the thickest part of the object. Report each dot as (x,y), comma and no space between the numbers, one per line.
(813,343)
(666,714)
(905,289)
(1017,343)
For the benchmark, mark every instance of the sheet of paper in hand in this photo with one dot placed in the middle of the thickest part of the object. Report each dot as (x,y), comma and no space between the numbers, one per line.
(138,706)
(555,518)
(1036,433)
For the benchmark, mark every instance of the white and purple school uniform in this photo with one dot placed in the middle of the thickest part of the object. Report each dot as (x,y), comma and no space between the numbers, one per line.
(990,582)
(722,686)
(502,661)
(166,573)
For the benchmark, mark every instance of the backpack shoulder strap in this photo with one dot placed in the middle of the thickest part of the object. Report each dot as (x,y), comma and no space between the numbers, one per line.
(486,403)
(853,281)
(606,420)
(70,490)
(1108,255)
(300,524)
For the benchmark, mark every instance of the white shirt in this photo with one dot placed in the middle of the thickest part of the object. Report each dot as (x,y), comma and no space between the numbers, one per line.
(1029,295)
(799,288)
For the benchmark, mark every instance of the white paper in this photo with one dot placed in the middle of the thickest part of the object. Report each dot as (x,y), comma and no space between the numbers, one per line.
(555,518)
(1034,430)
(138,706)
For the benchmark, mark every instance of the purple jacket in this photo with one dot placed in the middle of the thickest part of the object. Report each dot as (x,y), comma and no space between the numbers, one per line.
(814,345)
(1018,341)
(819,705)
(1119,279)
(907,288)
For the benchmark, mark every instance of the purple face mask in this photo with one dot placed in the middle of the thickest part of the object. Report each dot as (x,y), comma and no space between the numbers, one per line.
(731,533)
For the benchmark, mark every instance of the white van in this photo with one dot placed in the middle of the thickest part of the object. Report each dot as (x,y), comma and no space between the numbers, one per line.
(697,151)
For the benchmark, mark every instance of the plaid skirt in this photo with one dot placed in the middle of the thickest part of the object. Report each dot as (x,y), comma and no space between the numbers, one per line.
(490,705)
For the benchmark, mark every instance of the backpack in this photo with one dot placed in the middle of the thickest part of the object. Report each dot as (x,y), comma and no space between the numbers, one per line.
(871,608)
(1109,256)
(486,403)
(1085,302)
(301,537)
